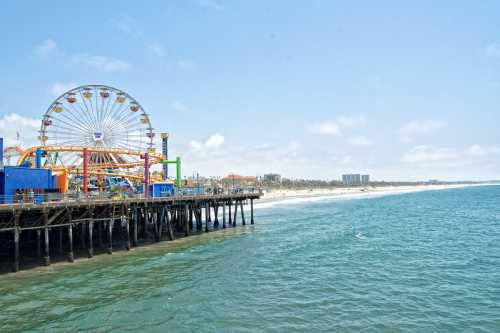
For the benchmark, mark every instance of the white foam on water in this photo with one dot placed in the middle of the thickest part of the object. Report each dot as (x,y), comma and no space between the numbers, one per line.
(360,235)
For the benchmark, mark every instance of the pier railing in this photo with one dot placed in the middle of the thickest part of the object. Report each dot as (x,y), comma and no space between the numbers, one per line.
(41,198)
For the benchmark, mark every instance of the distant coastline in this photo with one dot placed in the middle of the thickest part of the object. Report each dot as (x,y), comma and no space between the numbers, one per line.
(287,194)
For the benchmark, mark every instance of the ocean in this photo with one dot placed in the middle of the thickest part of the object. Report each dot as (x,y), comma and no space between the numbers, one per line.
(415,262)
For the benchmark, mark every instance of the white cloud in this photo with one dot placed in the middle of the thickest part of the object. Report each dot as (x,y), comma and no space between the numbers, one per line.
(108,64)
(59,88)
(212,4)
(179,106)
(103,63)
(418,127)
(213,142)
(360,141)
(351,121)
(426,154)
(196,145)
(477,150)
(336,126)
(12,124)
(47,48)
(493,50)
(326,128)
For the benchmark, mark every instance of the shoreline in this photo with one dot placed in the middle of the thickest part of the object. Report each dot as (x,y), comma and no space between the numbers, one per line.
(275,197)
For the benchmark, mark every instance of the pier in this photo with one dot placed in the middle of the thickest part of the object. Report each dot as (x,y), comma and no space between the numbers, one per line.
(32,234)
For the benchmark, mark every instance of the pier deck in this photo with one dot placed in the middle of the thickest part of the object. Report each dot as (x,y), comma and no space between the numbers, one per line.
(31,232)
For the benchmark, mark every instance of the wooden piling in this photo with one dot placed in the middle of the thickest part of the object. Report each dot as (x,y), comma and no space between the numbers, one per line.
(46,258)
(235,212)
(60,242)
(127,229)
(207,212)
(91,243)
(71,257)
(242,213)
(251,211)
(82,236)
(135,225)
(216,215)
(169,225)
(161,220)
(186,220)
(199,222)
(38,244)
(146,222)
(15,265)
(230,216)
(190,207)
(100,226)
(110,236)
(154,217)
(223,215)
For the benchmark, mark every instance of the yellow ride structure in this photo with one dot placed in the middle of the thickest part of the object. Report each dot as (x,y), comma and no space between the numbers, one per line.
(109,169)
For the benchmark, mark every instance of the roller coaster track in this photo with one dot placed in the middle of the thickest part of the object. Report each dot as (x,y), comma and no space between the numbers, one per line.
(95,169)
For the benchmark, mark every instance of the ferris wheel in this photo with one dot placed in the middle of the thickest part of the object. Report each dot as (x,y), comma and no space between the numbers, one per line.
(106,119)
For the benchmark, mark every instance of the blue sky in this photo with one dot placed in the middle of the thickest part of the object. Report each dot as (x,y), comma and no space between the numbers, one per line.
(308,89)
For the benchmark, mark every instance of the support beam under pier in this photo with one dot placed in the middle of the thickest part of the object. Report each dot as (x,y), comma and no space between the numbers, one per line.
(110,236)
(15,265)
(235,212)
(242,213)
(71,257)
(223,215)
(46,258)
(91,243)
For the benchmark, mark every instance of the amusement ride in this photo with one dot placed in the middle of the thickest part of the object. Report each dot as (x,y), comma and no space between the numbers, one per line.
(95,132)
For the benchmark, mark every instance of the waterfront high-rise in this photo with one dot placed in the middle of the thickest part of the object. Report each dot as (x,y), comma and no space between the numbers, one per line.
(351,179)
(355,179)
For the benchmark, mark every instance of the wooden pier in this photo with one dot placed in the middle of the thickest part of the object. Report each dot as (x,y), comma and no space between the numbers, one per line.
(30,234)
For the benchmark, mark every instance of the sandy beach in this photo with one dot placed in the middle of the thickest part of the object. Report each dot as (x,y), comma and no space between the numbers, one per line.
(287,194)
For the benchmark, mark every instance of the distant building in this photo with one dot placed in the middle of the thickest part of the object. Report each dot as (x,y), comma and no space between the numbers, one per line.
(272,178)
(351,179)
(233,180)
(365,179)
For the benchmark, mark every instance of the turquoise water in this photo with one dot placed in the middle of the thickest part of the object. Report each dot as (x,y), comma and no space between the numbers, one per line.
(419,262)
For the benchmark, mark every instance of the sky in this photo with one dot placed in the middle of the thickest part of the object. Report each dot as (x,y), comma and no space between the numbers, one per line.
(308,89)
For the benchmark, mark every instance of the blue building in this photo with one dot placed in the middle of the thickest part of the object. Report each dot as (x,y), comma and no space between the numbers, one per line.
(161,189)
(16,181)
(20,180)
